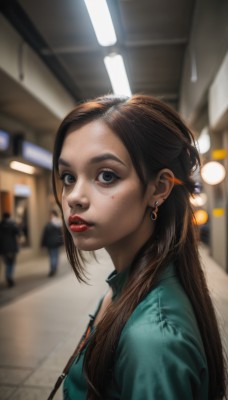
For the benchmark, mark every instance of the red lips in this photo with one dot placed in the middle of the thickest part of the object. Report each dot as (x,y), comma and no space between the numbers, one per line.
(77,224)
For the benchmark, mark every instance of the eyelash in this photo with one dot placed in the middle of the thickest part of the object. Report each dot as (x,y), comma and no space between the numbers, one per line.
(113,175)
(65,175)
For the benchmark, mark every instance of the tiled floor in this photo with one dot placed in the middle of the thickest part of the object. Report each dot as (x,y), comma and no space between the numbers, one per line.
(39,330)
(29,275)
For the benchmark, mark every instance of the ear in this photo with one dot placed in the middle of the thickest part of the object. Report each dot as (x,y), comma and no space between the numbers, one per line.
(162,186)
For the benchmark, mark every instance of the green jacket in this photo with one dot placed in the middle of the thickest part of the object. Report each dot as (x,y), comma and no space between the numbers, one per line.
(160,354)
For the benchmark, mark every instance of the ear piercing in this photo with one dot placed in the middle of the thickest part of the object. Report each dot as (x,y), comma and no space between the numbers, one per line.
(154,212)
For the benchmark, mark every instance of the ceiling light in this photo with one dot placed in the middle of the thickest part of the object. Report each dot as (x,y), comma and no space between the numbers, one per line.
(213,173)
(18,166)
(102,22)
(117,74)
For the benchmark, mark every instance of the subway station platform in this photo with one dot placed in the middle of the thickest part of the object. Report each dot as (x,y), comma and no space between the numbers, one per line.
(42,323)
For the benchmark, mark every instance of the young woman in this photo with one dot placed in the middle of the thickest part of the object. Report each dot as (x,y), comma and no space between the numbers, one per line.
(123,179)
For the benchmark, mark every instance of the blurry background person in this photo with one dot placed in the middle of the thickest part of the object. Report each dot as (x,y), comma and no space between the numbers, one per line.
(52,239)
(9,233)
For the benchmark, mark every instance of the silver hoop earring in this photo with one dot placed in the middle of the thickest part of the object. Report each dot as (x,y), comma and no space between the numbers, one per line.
(154,212)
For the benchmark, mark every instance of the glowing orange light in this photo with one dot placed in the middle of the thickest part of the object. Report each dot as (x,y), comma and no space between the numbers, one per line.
(201,217)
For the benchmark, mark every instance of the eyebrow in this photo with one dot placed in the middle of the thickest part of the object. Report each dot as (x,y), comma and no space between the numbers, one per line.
(94,160)
(104,157)
(63,162)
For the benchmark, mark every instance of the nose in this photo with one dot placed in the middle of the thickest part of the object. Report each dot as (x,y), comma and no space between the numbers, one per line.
(78,197)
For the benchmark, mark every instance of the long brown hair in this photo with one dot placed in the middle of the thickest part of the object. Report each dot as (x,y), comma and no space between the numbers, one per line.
(156,138)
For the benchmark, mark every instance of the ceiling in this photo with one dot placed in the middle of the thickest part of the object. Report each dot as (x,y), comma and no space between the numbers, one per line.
(152,36)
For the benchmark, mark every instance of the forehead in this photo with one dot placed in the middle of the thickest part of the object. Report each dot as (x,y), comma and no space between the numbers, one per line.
(92,139)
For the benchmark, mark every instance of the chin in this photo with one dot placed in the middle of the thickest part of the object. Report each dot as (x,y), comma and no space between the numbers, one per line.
(86,246)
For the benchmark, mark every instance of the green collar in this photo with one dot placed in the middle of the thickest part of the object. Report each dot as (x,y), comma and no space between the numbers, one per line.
(117,280)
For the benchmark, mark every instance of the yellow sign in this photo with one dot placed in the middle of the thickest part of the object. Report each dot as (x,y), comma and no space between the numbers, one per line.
(219,154)
(218,212)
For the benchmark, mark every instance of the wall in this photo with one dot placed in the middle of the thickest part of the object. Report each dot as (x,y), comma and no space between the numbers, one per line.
(206,50)
(204,102)
(22,64)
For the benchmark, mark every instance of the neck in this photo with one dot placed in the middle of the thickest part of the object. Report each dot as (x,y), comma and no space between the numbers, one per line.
(123,256)
(120,261)
(123,251)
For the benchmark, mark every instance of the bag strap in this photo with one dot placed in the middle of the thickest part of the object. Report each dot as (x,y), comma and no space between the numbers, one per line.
(79,348)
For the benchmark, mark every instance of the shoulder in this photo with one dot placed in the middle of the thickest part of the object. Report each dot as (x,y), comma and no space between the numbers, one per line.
(10,225)
(48,226)
(163,323)
(160,354)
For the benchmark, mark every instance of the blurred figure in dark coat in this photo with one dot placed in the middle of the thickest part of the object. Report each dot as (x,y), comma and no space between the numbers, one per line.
(52,239)
(9,233)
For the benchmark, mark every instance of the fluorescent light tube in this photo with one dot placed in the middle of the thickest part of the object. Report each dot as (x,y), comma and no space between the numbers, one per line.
(117,74)
(102,21)
(18,166)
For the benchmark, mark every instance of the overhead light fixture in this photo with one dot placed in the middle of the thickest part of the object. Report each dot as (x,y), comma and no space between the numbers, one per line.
(213,173)
(18,166)
(101,21)
(117,74)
